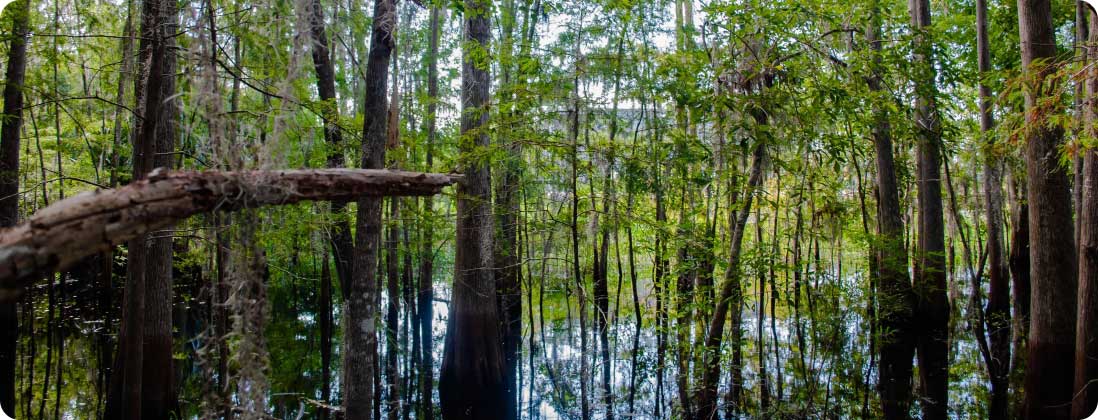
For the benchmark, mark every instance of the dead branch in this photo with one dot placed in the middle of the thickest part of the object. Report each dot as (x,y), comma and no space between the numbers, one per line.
(58,236)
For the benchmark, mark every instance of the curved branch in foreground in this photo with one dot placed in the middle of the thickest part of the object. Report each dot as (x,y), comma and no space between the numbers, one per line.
(58,236)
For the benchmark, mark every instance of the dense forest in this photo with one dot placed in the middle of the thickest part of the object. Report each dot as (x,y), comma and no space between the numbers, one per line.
(549,209)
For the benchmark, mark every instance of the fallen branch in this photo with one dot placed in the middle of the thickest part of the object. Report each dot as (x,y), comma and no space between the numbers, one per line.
(58,236)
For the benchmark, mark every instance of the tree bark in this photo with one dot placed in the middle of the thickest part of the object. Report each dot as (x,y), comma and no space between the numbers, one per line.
(426,293)
(146,324)
(505,252)
(731,292)
(896,301)
(159,397)
(392,315)
(932,304)
(471,383)
(360,353)
(998,305)
(1053,268)
(1086,340)
(1018,260)
(58,236)
(9,187)
(324,309)
(333,134)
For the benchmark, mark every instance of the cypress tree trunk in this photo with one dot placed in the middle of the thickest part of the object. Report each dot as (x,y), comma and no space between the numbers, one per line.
(1051,347)
(159,395)
(9,187)
(145,387)
(471,383)
(930,266)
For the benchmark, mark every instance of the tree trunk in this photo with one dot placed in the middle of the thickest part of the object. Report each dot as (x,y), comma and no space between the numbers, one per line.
(471,383)
(896,301)
(159,394)
(998,304)
(148,285)
(932,304)
(731,292)
(1086,340)
(505,253)
(577,272)
(1053,270)
(333,134)
(361,311)
(324,309)
(427,254)
(392,316)
(9,187)
(1018,260)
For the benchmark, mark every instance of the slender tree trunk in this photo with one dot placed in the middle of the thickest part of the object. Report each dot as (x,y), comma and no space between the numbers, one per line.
(659,270)
(998,305)
(731,292)
(730,288)
(602,301)
(427,253)
(896,301)
(1018,260)
(505,253)
(932,304)
(392,316)
(1052,254)
(333,134)
(577,272)
(471,383)
(9,187)
(1086,340)
(360,354)
(324,308)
